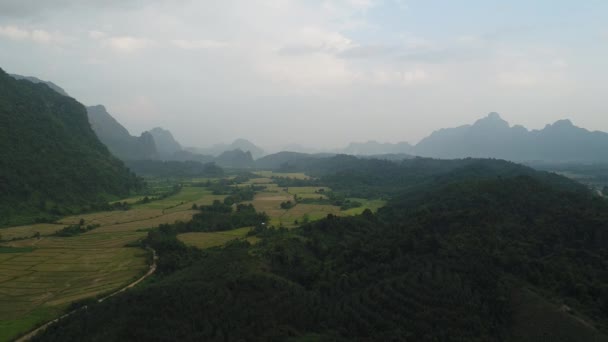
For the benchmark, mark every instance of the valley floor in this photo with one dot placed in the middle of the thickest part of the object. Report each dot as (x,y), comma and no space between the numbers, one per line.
(42,274)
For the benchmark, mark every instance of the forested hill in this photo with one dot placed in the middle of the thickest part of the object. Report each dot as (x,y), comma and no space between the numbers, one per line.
(52,162)
(477,254)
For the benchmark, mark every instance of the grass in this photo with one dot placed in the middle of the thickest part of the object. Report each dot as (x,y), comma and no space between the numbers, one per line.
(37,284)
(29,231)
(372,205)
(204,240)
(11,327)
(6,250)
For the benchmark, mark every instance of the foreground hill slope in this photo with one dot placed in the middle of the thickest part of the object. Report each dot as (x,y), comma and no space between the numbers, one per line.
(482,251)
(118,140)
(52,161)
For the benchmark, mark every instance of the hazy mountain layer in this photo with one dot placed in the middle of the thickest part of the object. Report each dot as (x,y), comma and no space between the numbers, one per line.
(118,140)
(495,138)
(239,144)
(165,142)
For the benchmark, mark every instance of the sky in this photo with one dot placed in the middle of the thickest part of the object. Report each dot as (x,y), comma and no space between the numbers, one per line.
(316,73)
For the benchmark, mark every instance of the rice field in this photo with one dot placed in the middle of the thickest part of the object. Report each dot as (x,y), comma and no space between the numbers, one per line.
(29,231)
(40,277)
(36,284)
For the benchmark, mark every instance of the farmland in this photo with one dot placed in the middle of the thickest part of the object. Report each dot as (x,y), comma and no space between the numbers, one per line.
(42,274)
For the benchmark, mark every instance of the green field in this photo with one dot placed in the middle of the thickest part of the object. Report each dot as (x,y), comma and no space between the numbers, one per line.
(40,277)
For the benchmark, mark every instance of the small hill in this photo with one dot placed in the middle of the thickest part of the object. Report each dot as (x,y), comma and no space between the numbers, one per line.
(52,162)
(282,160)
(118,140)
(235,159)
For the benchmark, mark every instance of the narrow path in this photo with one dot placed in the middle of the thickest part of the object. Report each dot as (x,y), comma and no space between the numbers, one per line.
(151,271)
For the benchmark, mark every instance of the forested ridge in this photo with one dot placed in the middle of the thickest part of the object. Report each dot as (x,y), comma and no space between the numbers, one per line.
(476,253)
(52,163)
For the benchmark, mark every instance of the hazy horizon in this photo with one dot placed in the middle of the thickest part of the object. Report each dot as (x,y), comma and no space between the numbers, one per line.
(316,73)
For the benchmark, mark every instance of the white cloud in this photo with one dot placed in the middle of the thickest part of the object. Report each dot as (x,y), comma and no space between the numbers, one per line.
(517,78)
(14,33)
(127,43)
(36,35)
(200,44)
(97,35)
(559,63)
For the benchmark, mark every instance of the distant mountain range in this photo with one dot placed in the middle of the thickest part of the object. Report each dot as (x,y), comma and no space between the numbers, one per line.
(489,137)
(493,137)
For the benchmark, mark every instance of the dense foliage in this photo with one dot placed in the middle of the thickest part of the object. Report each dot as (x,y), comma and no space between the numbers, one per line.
(52,163)
(158,168)
(220,216)
(447,260)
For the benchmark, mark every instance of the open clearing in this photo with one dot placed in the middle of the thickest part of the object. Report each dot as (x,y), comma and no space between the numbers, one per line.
(269,201)
(204,240)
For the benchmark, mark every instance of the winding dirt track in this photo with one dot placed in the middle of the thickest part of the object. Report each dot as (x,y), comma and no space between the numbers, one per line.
(33,333)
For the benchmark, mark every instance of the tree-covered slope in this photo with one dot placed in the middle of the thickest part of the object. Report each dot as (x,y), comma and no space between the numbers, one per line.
(478,255)
(52,162)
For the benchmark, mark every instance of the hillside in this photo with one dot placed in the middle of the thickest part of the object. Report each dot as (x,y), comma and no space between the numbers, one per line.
(235,159)
(118,140)
(482,255)
(493,137)
(52,162)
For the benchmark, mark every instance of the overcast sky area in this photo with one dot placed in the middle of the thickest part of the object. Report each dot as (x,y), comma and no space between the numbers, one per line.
(315,72)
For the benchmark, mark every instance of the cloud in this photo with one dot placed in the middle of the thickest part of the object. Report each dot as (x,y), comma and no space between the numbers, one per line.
(36,35)
(97,34)
(311,40)
(559,63)
(28,8)
(14,33)
(517,78)
(127,43)
(200,44)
